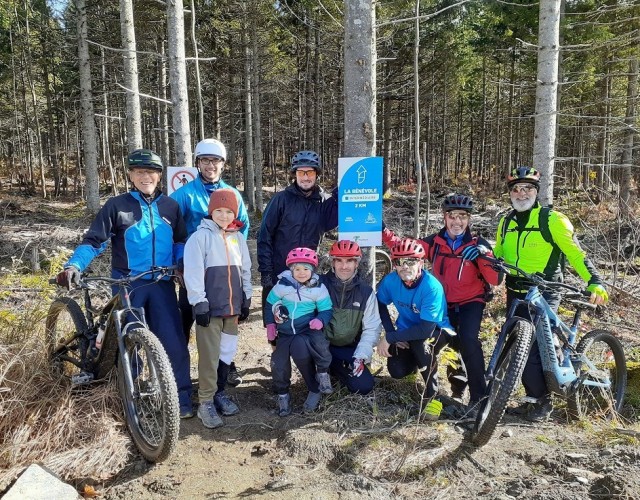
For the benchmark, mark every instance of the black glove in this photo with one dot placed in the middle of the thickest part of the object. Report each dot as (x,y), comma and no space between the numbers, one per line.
(266,280)
(203,319)
(201,313)
(68,276)
(245,309)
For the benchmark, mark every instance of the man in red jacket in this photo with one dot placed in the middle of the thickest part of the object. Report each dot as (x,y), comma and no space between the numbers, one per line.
(453,253)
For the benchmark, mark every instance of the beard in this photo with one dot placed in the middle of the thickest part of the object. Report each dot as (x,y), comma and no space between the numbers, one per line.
(523,205)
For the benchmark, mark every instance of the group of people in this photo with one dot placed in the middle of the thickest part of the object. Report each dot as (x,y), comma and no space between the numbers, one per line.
(329,324)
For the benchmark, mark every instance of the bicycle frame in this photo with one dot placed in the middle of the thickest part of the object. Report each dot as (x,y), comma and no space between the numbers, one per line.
(561,377)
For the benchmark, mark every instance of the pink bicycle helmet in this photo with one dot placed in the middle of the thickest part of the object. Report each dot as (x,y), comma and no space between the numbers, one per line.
(302,255)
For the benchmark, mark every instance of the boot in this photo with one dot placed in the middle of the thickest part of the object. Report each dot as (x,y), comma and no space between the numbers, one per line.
(540,411)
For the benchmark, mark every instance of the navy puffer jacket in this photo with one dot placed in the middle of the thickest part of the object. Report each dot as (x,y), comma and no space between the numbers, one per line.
(293,220)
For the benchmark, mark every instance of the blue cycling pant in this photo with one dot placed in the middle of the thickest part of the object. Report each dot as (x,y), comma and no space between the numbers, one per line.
(158,299)
(341,358)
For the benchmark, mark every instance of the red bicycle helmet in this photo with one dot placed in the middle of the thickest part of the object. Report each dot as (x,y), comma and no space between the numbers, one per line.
(346,248)
(524,174)
(455,201)
(302,255)
(408,247)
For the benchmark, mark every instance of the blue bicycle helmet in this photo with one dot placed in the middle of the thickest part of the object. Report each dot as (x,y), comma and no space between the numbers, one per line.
(305,159)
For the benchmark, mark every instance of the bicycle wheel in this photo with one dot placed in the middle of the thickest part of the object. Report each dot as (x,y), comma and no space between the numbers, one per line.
(383,264)
(607,355)
(507,375)
(66,344)
(152,410)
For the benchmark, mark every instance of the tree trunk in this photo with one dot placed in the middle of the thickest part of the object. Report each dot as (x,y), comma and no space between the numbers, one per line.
(249,187)
(194,41)
(88,121)
(416,117)
(629,138)
(360,89)
(130,63)
(178,77)
(546,96)
(256,115)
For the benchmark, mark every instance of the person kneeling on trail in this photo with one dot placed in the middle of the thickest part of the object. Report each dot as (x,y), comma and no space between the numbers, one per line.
(296,310)
(355,328)
(422,328)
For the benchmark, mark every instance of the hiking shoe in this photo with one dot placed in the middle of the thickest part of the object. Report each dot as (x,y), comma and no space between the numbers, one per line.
(234,379)
(284,406)
(325,383)
(432,411)
(224,405)
(186,412)
(540,411)
(312,401)
(209,416)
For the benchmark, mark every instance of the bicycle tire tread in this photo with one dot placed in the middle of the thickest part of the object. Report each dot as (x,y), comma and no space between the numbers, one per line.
(484,429)
(169,392)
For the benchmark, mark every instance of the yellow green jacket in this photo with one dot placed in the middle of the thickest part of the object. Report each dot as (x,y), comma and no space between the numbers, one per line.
(524,246)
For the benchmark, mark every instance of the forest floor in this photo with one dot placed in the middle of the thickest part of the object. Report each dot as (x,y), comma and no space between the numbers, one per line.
(371,446)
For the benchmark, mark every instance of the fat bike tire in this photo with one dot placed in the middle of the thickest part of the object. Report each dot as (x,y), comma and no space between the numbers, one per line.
(65,328)
(152,410)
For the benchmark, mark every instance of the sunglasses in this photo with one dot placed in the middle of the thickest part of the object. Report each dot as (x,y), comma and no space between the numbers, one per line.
(407,261)
(306,173)
(458,215)
(523,188)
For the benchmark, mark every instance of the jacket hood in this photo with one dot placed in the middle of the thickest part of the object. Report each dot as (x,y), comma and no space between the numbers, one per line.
(208,223)
(286,278)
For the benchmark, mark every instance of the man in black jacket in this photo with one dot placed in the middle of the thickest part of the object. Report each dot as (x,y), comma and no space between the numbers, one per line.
(295,217)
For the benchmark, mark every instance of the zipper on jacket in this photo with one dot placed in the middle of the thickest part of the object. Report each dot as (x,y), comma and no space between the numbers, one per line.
(226,250)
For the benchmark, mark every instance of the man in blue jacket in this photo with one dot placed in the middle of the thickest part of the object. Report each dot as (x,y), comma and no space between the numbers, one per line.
(210,156)
(422,327)
(146,229)
(296,217)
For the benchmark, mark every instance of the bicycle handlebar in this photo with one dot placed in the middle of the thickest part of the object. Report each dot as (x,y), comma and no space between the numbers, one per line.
(85,279)
(537,278)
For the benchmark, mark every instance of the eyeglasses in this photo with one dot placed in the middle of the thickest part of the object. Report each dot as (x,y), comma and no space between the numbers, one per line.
(139,172)
(407,261)
(306,173)
(461,216)
(522,188)
(210,161)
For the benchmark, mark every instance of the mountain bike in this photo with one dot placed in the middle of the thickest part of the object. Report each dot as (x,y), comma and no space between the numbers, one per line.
(591,374)
(85,346)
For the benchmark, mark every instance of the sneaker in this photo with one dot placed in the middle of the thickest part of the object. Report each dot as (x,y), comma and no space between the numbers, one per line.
(186,412)
(224,404)
(432,411)
(209,416)
(234,379)
(325,383)
(312,401)
(540,411)
(284,407)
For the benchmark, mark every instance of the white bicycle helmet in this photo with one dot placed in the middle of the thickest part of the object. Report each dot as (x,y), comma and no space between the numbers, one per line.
(210,147)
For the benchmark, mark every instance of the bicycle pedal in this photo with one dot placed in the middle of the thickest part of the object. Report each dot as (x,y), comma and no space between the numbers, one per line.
(81,378)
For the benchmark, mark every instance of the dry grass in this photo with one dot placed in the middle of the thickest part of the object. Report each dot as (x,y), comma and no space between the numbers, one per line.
(76,434)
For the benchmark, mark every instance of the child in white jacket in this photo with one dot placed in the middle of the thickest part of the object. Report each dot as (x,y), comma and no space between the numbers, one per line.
(217,275)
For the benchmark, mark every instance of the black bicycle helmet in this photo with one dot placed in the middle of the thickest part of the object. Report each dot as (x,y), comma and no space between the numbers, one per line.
(144,158)
(524,174)
(305,159)
(456,201)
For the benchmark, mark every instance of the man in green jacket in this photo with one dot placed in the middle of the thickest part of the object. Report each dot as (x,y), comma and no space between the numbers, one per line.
(538,239)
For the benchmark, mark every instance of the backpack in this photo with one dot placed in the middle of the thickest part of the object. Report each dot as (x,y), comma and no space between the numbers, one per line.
(543,223)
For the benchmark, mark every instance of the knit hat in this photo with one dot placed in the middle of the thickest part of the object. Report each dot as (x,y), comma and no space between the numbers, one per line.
(223,198)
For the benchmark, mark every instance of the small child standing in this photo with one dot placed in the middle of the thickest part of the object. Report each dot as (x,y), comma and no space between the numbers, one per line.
(300,306)
(217,276)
